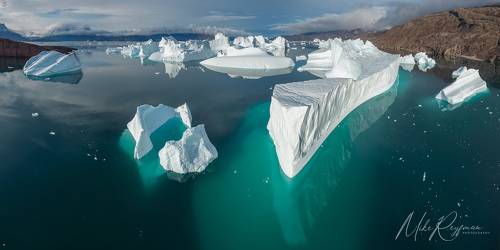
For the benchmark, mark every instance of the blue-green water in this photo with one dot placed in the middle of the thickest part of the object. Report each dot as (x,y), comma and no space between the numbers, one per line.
(82,189)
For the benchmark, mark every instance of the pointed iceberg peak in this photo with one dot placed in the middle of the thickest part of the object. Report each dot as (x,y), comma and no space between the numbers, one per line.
(148,119)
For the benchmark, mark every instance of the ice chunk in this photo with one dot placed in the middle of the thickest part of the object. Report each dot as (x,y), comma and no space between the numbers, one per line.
(232,51)
(191,154)
(458,72)
(172,51)
(407,62)
(52,63)
(301,58)
(116,50)
(277,47)
(250,62)
(244,42)
(467,84)
(303,114)
(147,48)
(148,118)
(260,41)
(424,62)
(220,43)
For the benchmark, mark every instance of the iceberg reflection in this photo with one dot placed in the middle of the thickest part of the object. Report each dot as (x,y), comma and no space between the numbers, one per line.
(73,78)
(299,202)
(173,69)
(249,73)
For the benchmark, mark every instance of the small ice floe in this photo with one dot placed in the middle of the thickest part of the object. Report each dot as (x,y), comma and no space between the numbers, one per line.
(157,73)
(458,72)
(148,119)
(468,84)
(10,67)
(51,63)
(301,58)
(34,114)
(424,62)
(173,51)
(191,154)
(424,176)
(52,133)
(110,51)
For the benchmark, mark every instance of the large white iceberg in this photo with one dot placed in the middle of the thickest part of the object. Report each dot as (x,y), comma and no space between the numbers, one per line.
(50,63)
(263,62)
(303,114)
(244,42)
(232,51)
(424,62)
(277,47)
(260,41)
(172,51)
(469,83)
(191,154)
(407,62)
(148,118)
(220,43)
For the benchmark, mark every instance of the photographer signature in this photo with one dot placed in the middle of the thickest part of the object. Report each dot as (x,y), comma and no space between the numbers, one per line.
(444,228)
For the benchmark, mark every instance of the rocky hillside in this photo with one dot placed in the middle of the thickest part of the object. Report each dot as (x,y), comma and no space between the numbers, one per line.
(472,33)
(9,48)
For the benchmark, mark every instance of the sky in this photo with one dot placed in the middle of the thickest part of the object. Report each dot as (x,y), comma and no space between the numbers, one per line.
(269,17)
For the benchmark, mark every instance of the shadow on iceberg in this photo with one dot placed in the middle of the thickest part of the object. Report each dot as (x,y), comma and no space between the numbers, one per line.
(299,202)
(72,78)
(249,73)
(149,166)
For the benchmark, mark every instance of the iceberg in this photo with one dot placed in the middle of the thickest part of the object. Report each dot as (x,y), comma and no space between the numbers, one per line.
(244,42)
(171,51)
(260,41)
(52,63)
(303,114)
(262,62)
(220,43)
(250,73)
(148,118)
(191,154)
(110,51)
(457,73)
(468,84)
(277,47)
(301,58)
(424,62)
(147,48)
(232,51)
(407,62)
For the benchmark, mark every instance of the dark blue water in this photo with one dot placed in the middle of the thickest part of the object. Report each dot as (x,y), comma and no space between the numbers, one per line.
(82,189)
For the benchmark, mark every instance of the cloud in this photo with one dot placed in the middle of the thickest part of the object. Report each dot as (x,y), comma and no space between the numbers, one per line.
(216,16)
(363,18)
(3,4)
(373,16)
(199,29)
(71,29)
(73,13)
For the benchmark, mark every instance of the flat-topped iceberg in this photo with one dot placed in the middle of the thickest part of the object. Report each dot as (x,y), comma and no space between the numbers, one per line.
(173,51)
(232,51)
(303,114)
(52,63)
(467,84)
(191,154)
(263,62)
(148,119)
(424,62)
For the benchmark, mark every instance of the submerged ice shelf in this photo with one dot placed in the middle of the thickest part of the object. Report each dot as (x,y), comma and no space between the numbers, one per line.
(303,114)
(148,118)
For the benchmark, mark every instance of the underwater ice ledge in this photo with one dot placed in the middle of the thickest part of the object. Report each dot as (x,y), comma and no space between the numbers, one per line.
(303,114)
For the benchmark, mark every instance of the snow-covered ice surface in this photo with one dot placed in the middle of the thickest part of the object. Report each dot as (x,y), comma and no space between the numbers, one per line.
(468,84)
(263,62)
(232,51)
(249,73)
(303,114)
(458,72)
(191,154)
(424,62)
(148,118)
(52,63)
(244,42)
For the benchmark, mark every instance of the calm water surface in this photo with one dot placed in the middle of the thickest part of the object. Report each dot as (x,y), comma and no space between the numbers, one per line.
(82,189)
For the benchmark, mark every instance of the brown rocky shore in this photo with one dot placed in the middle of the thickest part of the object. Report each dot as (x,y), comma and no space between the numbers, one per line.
(9,48)
(470,33)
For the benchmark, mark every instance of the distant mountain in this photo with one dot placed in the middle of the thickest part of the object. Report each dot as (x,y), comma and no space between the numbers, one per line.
(470,33)
(9,34)
(344,34)
(113,37)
